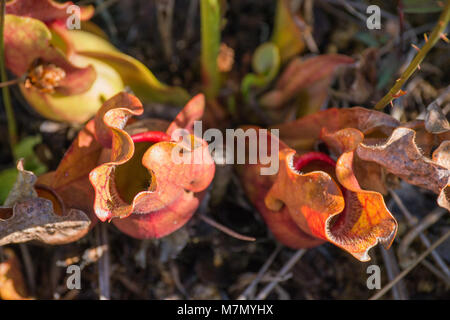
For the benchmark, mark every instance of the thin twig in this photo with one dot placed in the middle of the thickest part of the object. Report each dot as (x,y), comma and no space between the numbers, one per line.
(387,287)
(29,270)
(130,285)
(176,279)
(392,270)
(412,234)
(11,82)
(103,262)
(288,266)
(224,229)
(436,272)
(249,291)
(434,37)
(411,221)
(12,127)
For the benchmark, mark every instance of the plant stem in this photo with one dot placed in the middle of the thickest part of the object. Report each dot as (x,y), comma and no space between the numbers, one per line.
(10,82)
(434,37)
(12,128)
(210,38)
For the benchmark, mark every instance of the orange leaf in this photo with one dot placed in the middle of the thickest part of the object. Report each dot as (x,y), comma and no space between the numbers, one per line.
(303,208)
(141,182)
(70,179)
(12,283)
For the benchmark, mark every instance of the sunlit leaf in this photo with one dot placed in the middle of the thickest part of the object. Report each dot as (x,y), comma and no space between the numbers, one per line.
(303,208)
(133,73)
(140,182)
(27,41)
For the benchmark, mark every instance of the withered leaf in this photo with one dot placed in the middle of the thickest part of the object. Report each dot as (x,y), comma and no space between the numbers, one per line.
(435,120)
(401,156)
(35,219)
(25,216)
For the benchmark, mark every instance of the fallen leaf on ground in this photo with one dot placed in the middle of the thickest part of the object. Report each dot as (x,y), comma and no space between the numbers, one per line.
(36,213)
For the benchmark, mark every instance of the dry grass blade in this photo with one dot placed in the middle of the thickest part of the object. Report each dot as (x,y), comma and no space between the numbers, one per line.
(288,266)
(224,229)
(426,242)
(387,287)
(250,289)
(399,290)
(104,268)
(412,234)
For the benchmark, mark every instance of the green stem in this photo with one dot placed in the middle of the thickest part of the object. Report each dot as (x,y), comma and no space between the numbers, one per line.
(12,128)
(210,34)
(434,37)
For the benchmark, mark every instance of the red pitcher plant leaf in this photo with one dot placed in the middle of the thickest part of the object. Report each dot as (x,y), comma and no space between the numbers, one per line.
(303,133)
(312,74)
(36,213)
(139,181)
(45,10)
(401,156)
(28,51)
(303,204)
(70,180)
(72,72)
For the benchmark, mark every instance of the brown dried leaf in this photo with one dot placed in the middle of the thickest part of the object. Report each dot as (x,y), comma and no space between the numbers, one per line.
(35,219)
(401,156)
(26,217)
(435,120)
